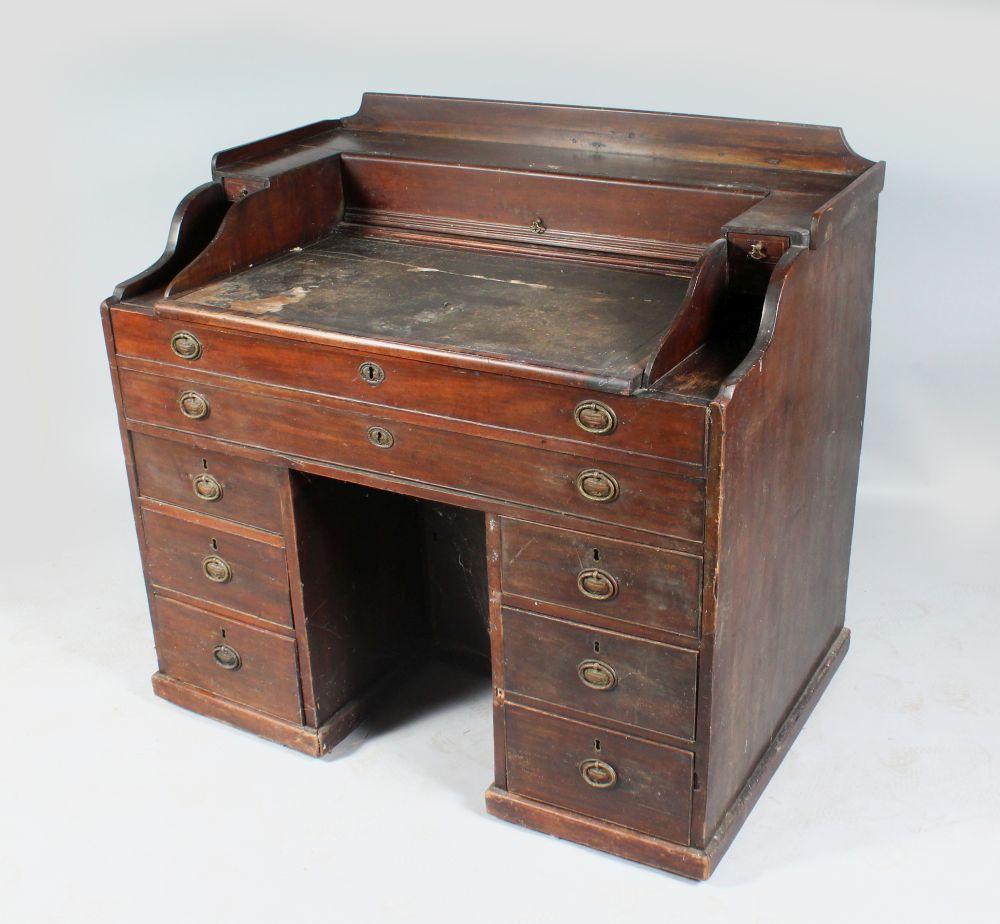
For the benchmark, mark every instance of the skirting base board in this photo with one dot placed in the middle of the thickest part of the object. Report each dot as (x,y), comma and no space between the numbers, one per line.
(691,862)
(312,741)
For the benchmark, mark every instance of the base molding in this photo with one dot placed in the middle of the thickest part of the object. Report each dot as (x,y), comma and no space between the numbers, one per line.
(312,741)
(692,862)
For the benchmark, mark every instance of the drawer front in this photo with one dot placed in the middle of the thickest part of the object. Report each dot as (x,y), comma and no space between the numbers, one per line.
(654,501)
(208,482)
(620,580)
(246,575)
(250,666)
(606,674)
(632,782)
(643,424)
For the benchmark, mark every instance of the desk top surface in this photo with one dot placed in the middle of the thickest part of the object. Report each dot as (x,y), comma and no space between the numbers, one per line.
(605,323)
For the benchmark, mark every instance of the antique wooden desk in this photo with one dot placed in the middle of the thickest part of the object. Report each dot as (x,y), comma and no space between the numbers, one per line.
(575,391)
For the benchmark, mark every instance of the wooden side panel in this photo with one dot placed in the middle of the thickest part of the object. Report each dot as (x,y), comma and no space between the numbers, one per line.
(296,208)
(705,295)
(195,221)
(790,423)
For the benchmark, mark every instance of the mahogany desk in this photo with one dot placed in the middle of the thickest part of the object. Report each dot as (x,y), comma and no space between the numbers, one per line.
(575,391)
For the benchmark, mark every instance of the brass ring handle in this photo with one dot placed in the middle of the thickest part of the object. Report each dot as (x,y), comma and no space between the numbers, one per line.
(186,345)
(595,417)
(597,584)
(379,436)
(217,569)
(193,405)
(598,675)
(597,486)
(207,487)
(227,658)
(598,774)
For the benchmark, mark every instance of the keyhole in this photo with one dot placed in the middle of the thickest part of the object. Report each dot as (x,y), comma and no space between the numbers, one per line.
(597,646)
(222,632)
(597,554)
(371,373)
(204,463)
(597,744)
(214,545)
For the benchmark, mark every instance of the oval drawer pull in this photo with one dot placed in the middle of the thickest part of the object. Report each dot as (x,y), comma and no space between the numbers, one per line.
(207,487)
(186,345)
(598,774)
(193,405)
(227,658)
(217,569)
(598,486)
(597,584)
(598,675)
(595,417)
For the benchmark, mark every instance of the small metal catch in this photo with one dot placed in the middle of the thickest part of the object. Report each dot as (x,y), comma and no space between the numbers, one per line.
(538,226)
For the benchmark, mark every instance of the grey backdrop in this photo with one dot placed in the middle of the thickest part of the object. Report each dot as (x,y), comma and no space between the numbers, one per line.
(889,802)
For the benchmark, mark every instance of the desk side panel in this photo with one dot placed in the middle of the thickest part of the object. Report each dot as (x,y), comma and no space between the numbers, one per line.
(787,432)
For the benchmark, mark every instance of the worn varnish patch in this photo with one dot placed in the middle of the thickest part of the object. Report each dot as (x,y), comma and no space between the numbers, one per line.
(590,319)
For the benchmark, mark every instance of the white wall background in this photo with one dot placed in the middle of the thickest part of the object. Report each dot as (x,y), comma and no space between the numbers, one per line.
(117,807)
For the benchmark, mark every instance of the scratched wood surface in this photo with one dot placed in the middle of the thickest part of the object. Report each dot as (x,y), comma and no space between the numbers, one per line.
(590,319)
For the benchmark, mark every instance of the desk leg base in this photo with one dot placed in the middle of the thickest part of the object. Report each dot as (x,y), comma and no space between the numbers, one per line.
(692,862)
(312,741)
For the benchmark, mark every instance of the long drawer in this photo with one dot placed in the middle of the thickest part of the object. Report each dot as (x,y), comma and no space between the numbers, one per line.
(207,481)
(596,772)
(214,564)
(248,665)
(605,674)
(643,424)
(621,580)
(660,503)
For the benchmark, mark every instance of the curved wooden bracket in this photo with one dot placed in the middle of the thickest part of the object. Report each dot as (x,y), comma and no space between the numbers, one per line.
(296,209)
(690,328)
(768,320)
(195,221)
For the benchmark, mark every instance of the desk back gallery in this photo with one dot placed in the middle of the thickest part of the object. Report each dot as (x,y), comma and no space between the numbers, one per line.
(575,394)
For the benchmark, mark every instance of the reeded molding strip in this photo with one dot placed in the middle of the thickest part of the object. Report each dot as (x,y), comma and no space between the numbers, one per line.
(575,240)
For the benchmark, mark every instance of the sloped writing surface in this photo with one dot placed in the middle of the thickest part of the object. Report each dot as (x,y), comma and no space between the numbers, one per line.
(605,322)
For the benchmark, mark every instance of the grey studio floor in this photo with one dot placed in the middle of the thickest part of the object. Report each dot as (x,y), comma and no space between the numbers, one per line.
(139,810)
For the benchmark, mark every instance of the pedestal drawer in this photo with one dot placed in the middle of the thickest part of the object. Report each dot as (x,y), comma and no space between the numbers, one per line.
(605,674)
(208,482)
(211,563)
(620,580)
(596,772)
(671,505)
(248,665)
